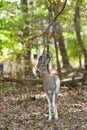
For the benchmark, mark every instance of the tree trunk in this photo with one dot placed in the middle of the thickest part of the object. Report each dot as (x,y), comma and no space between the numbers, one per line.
(77,29)
(1,69)
(80,61)
(56,49)
(57,58)
(58,31)
(62,48)
(27,54)
(53,10)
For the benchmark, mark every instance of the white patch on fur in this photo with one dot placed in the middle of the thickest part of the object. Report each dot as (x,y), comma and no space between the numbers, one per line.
(57,85)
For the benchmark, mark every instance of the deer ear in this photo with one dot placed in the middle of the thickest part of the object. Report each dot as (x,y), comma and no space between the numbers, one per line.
(40,59)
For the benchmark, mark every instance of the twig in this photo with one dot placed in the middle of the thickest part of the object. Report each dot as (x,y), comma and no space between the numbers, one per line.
(32,38)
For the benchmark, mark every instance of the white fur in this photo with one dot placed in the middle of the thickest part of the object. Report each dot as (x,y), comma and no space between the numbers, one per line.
(57,85)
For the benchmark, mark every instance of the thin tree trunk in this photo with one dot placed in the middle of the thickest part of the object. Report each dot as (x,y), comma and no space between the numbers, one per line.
(1,69)
(80,61)
(56,49)
(62,48)
(50,17)
(57,58)
(27,55)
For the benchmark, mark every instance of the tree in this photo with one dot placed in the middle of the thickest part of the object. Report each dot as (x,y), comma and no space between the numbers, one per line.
(78,34)
(26,43)
(57,34)
(65,59)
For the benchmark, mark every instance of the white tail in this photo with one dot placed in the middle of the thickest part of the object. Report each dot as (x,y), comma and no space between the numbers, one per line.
(51,84)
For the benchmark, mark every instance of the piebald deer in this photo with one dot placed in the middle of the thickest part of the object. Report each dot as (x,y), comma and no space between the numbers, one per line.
(51,83)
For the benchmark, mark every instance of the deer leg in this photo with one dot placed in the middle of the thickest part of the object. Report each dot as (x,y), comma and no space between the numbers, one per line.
(55,106)
(49,105)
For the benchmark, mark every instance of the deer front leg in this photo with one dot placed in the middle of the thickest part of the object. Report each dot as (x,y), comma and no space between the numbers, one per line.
(55,106)
(49,105)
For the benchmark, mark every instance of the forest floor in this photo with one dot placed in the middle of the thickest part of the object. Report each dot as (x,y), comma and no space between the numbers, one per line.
(25,108)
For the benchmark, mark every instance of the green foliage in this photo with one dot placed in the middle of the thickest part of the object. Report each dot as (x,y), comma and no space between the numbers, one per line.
(17,25)
(72,46)
(73,50)
(79,3)
(10,24)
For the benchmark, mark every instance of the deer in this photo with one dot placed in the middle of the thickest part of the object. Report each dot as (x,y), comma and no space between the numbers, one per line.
(51,83)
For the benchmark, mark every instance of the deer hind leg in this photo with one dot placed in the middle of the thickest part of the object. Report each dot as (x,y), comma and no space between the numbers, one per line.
(49,105)
(55,105)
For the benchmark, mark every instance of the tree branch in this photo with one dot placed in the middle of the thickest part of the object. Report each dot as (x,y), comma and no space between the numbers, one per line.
(57,15)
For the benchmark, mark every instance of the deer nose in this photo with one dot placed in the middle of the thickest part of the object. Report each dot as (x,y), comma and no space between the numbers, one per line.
(37,71)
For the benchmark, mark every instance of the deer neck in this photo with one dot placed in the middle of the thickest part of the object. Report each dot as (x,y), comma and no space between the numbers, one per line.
(45,75)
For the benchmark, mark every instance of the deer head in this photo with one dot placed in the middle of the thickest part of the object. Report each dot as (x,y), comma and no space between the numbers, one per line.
(43,60)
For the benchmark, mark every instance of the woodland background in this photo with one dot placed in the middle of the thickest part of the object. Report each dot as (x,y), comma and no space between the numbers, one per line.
(28,27)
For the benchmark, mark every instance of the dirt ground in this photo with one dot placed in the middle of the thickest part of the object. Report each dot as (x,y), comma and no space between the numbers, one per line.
(25,108)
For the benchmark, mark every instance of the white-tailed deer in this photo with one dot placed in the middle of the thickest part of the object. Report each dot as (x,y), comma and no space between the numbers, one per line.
(51,83)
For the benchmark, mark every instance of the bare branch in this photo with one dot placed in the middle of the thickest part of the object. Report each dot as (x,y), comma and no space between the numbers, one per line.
(57,15)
